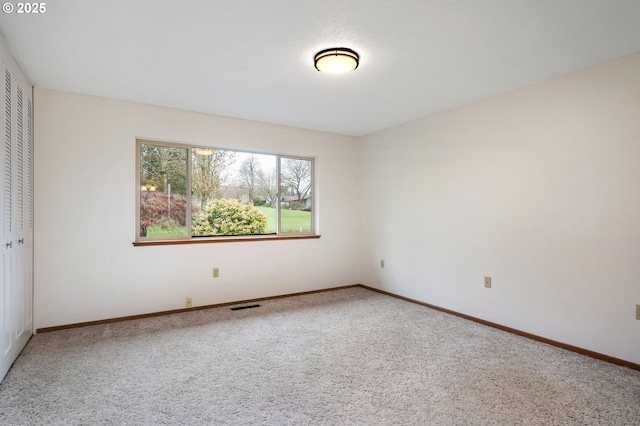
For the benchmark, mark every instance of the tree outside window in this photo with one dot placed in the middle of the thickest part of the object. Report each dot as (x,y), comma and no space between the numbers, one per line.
(222,192)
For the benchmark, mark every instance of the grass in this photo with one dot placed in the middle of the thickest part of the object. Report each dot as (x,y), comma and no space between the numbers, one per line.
(292,221)
(159,231)
(170,228)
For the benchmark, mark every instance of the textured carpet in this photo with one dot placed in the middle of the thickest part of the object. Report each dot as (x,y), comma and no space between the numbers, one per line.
(345,357)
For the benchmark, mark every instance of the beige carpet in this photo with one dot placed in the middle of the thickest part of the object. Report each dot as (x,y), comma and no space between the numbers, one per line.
(346,357)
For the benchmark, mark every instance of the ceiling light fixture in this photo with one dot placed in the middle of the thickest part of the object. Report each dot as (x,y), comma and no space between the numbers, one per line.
(337,60)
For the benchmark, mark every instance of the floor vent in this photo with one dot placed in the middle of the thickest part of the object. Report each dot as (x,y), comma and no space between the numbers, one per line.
(237,308)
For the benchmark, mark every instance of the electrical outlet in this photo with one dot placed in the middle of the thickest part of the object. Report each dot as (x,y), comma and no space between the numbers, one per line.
(188,302)
(487,282)
(382,264)
(216,272)
(638,312)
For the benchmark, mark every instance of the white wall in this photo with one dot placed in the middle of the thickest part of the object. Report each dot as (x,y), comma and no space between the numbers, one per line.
(85,265)
(538,188)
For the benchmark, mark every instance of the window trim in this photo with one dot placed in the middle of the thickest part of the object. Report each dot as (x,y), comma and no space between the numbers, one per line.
(225,239)
(190,239)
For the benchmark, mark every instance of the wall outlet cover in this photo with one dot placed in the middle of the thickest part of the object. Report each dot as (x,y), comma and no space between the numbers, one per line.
(487,282)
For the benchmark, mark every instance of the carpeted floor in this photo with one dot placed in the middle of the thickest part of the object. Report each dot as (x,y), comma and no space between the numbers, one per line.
(345,357)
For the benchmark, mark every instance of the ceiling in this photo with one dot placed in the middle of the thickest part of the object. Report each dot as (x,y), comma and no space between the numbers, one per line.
(253,59)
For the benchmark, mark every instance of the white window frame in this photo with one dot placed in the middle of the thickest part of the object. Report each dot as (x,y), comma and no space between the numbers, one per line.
(279,235)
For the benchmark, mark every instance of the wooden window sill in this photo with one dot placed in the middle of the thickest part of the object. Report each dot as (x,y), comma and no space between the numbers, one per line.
(223,240)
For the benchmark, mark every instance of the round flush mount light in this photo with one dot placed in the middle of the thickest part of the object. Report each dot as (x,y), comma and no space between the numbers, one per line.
(337,60)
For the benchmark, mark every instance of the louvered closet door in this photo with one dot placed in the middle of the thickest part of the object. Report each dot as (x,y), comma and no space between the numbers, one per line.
(16,249)
(21,198)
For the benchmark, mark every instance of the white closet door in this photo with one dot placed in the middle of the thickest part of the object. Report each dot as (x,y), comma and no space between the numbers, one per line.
(16,244)
(24,286)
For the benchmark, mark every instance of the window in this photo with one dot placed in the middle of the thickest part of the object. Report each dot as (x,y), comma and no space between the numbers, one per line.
(193,192)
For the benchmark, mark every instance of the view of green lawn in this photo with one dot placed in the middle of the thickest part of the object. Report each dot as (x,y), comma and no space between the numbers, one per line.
(292,221)
(222,184)
(167,231)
